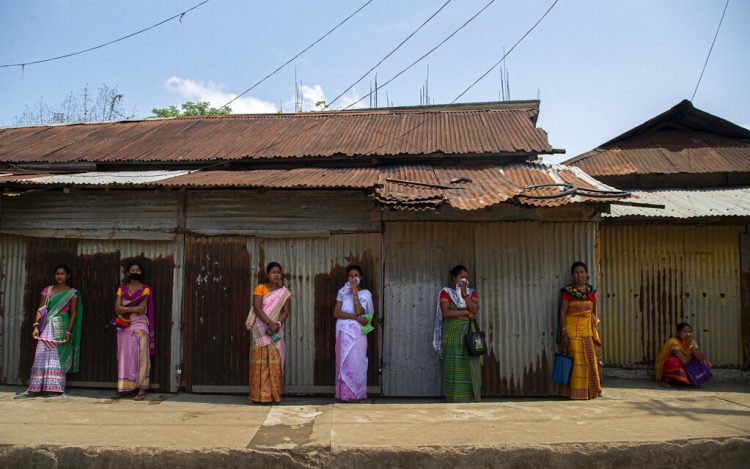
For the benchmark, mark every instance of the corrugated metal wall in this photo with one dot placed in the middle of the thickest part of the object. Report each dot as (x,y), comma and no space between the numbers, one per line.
(418,257)
(315,269)
(518,270)
(115,213)
(221,273)
(655,276)
(12,279)
(279,213)
(96,271)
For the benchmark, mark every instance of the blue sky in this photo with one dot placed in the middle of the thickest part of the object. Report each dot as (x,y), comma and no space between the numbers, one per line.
(599,67)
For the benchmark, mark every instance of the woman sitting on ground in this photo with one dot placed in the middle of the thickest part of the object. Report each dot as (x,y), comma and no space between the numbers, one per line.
(678,351)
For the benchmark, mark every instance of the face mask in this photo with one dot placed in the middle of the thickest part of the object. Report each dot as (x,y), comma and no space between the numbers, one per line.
(135,277)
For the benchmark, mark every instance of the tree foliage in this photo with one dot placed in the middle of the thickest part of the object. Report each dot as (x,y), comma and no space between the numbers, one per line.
(202,108)
(106,103)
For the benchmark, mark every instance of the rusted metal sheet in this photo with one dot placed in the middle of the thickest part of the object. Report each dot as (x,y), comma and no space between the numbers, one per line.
(216,301)
(12,287)
(667,152)
(418,257)
(280,213)
(96,271)
(478,186)
(520,269)
(687,203)
(491,128)
(42,255)
(704,143)
(106,260)
(656,276)
(328,178)
(220,275)
(315,269)
(113,214)
(517,269)
(745,297)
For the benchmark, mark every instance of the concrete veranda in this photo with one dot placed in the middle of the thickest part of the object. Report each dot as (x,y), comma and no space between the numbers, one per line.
(635,423)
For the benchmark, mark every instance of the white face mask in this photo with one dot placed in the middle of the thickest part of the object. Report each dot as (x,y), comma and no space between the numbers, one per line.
(461,283)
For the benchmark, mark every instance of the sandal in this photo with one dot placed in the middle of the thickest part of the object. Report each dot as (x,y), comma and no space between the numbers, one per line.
(116,396)
(25,395)
(140,396)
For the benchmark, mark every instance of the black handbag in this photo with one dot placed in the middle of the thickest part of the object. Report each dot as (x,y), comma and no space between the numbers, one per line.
(475,343)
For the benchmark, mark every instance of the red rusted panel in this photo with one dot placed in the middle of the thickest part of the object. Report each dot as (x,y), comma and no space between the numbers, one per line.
(490,128)
(326,287)
(42,257)
(683,139)
(216,301)
(159,274)
(97,277)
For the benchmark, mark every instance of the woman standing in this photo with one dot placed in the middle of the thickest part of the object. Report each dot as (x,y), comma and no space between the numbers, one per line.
(353,305)
(271,304)
(677,352)
(579,334)
(457,307)
(134,307)
(57,329)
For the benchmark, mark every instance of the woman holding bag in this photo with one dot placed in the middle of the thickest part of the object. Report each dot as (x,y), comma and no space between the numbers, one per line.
(457,308)
(579,335)
(57,329)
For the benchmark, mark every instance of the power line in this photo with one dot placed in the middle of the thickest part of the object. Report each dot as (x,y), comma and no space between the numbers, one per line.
(34,62)
(507,53)
(429,116)
(390,53)
(300,53)
(425,55)
(709,50)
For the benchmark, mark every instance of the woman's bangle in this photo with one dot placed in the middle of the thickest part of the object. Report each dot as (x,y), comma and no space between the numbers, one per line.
(67,332)
(35,324)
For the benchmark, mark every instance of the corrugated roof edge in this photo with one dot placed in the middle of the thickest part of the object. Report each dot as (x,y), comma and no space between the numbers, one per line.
(522,105)
(683,107)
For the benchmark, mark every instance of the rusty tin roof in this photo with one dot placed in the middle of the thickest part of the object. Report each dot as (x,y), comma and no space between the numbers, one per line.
(399,186)
(681,140)
(469,129)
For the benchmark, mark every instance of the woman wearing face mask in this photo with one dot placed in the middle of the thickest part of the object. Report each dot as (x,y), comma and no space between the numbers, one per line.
(353,312)
(579,334)
(271,306)
(678,351)
(134,307)
(457,306)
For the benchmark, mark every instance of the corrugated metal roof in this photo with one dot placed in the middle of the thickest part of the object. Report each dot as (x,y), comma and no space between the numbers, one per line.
(667,152)
(104,178)
(401,186)
(681,140)
(280,178)
(688,203)
(456,130)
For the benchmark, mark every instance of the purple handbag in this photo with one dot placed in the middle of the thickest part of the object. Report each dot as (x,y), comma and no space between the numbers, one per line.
(698,372)
(43,312)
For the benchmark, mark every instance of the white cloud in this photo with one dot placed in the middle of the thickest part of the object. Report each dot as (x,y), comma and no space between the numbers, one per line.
(192,90)
(309,95)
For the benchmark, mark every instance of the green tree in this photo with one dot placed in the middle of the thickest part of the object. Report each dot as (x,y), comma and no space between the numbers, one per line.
(202,108)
